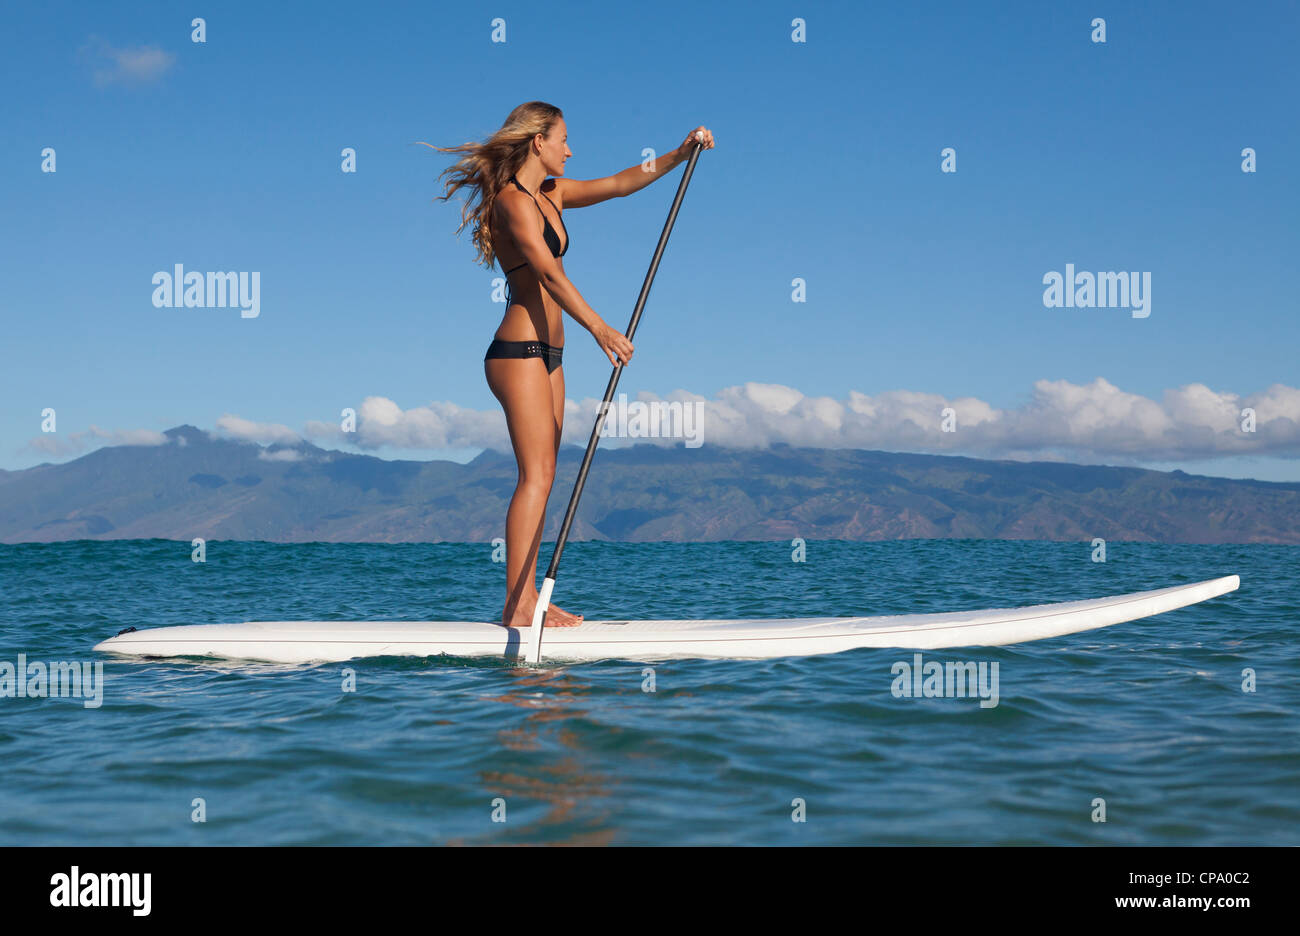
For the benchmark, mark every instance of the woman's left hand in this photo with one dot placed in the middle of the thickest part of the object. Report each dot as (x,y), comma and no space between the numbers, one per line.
(698,135)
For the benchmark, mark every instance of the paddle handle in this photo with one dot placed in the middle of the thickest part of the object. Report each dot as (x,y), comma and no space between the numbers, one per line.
(544,596)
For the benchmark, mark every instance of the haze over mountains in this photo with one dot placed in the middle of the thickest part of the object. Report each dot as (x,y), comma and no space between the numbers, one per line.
(199,485)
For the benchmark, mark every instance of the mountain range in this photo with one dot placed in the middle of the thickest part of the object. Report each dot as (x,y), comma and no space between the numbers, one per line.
(199,485)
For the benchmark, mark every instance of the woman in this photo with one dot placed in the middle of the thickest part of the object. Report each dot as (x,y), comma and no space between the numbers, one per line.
(526,234)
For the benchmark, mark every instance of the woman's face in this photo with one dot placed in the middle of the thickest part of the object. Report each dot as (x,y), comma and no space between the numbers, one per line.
(555,149)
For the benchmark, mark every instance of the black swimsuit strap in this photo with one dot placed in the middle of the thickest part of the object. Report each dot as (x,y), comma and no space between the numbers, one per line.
(545,219)
(519,185)
(539,209)
(562,226)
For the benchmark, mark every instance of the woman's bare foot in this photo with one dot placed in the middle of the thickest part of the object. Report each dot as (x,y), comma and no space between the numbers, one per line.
(555,616)
(558,617)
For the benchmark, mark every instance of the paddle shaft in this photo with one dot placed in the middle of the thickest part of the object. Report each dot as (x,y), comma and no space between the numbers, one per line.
(544,597)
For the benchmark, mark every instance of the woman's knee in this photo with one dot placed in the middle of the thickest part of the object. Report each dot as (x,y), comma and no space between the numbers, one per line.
(539,473)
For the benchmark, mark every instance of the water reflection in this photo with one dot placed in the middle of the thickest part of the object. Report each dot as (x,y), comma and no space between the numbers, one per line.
(575,794)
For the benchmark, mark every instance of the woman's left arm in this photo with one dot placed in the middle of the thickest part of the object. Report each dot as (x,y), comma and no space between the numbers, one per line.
(579,193)
(638,177)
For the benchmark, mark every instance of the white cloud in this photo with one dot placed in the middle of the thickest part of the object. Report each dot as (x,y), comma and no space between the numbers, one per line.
(130,65)
(235,427)
(381,422)
(76,443)
(1061,421)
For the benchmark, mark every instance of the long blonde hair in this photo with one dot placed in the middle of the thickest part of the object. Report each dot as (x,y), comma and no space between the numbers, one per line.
(487,167)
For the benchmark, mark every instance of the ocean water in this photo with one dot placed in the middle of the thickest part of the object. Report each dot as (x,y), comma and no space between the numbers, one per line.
(1148,720)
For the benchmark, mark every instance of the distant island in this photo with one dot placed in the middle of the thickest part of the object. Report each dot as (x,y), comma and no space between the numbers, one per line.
(198,485)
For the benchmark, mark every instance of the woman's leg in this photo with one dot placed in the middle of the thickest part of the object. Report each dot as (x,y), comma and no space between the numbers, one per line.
(525,392)
(557,401)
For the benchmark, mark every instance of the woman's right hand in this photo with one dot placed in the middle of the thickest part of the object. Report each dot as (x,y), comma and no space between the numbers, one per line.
(614,344)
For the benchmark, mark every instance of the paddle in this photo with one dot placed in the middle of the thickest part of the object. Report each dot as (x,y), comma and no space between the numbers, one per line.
(544,597)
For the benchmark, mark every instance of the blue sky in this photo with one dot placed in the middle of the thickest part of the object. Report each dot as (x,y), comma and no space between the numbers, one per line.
(923,288)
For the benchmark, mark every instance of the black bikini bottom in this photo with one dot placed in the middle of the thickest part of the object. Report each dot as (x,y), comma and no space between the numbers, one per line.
(525,349)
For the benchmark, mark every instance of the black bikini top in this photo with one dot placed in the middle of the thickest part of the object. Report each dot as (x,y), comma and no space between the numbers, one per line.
(549,235)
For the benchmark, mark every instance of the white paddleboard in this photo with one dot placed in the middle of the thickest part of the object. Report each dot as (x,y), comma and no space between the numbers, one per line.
(759,638)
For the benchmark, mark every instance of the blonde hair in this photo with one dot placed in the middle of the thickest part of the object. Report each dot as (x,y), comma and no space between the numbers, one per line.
(487,167)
